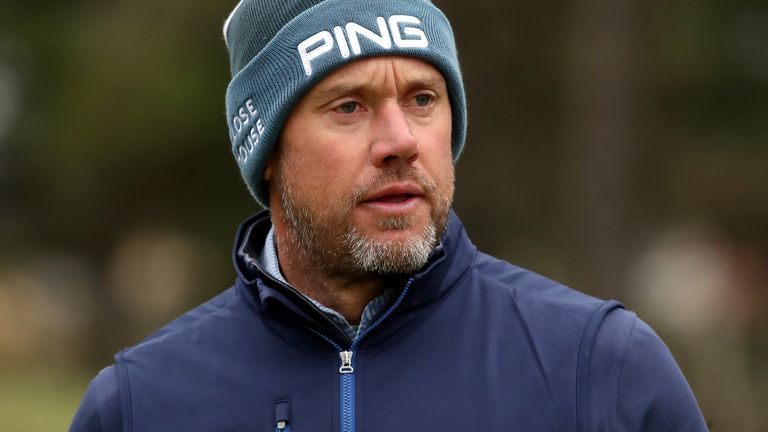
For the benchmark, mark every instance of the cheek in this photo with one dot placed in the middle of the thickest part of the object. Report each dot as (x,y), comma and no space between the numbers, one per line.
(437,158)
(446,180)
(325,168)
(436,146)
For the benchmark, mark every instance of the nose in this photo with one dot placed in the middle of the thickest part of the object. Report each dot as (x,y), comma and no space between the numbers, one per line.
(392,138)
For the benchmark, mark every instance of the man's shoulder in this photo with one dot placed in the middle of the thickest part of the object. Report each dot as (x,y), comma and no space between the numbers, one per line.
(206,320)
(195,342)
(557,322)
(624,373)
(532,292)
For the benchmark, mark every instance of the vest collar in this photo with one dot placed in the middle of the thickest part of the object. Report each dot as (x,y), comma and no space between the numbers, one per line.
(447,265)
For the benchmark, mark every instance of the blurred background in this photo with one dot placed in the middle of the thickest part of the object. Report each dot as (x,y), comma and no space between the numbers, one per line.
(618,146)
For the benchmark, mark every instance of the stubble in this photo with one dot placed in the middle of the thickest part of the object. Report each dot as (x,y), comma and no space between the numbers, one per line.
(325,235)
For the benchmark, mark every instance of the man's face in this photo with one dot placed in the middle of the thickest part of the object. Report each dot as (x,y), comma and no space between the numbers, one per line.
(363,177)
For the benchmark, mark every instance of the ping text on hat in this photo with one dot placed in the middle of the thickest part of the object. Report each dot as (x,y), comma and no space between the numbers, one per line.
(401,30)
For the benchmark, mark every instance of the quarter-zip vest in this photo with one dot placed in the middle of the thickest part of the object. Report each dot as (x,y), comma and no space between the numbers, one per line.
(471,343)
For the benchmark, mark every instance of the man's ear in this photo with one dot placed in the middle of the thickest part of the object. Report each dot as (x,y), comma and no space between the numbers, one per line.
(268,170)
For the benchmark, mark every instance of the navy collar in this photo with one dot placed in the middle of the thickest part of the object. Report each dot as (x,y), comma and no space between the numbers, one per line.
(447,265)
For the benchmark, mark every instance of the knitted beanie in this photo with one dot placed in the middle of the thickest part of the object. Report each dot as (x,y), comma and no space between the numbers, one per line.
(279,49)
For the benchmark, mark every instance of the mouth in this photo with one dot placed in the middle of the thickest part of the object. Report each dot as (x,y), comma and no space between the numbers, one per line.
(397,193)
(393,199)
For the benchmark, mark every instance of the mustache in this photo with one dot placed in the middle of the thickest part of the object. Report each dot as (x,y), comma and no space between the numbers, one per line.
(395,174)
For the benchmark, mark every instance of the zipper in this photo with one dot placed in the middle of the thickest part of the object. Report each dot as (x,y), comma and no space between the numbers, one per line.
(347,383)
(346,362)
(347,369)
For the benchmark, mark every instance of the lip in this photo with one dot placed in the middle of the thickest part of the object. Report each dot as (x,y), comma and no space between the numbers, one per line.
(379,196)
(394,199)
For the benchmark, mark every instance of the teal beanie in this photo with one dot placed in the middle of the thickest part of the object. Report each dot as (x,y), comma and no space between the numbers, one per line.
(279,49)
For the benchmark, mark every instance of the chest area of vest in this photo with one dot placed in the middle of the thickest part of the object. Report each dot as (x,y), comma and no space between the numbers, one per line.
(444,384)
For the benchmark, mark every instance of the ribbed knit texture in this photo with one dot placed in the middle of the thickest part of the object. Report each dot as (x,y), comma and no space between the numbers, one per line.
(269,77)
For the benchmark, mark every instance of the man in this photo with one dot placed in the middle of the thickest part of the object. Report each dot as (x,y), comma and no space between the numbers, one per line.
(360,303)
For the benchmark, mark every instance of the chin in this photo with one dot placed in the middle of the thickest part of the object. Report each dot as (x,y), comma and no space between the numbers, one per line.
(391,251)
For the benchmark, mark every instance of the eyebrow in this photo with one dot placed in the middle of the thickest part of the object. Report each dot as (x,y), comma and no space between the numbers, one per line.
(336,91)
(343,89)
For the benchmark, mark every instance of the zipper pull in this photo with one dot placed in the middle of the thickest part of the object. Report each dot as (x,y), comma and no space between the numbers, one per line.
(346,362)
(282,416)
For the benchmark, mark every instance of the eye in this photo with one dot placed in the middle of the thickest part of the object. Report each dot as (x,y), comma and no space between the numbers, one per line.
(423,99)
(347,107)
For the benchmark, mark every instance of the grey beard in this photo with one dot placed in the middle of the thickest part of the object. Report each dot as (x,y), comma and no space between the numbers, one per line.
(392,257)
(336,247)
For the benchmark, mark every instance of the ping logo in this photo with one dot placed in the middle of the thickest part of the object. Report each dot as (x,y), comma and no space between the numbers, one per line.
(402,30)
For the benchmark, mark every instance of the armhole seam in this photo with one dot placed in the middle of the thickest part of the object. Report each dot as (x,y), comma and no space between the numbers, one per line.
(621,367)
(125,391)
(582,363)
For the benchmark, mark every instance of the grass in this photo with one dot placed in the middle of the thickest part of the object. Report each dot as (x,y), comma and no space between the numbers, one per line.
(39,400)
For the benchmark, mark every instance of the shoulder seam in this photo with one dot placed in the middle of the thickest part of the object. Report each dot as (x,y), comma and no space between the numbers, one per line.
(582,362)
(125,391)
(621,364)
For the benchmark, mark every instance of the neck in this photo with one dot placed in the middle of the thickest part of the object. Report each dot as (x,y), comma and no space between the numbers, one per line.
(344,293)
